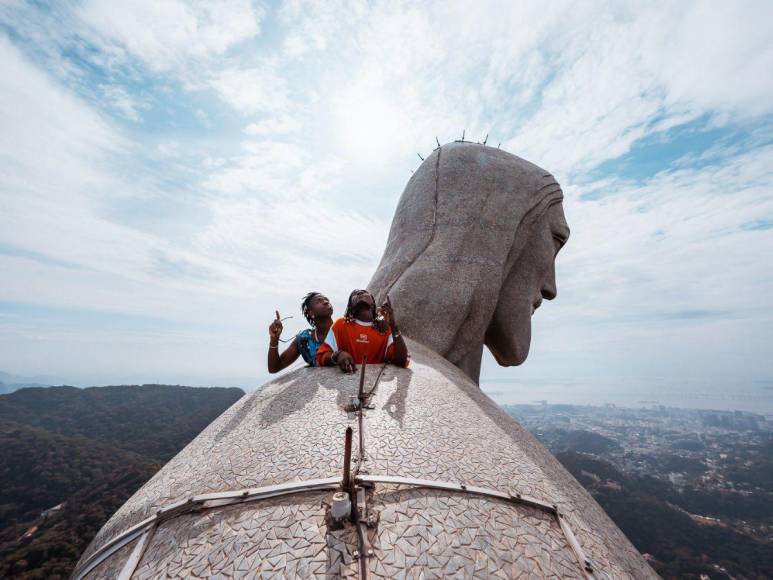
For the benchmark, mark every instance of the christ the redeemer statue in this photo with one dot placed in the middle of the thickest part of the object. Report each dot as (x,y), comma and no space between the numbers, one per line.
(397,473)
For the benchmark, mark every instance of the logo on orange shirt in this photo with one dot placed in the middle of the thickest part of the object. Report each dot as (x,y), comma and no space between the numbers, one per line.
(363,338)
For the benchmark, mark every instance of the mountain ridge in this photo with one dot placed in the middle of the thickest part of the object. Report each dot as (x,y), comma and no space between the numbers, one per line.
(85,451)
(147,419)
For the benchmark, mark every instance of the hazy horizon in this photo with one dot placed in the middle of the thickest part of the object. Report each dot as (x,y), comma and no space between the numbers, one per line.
(171,174)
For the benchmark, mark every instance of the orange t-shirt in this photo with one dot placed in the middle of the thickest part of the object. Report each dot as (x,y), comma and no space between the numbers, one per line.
(360,340)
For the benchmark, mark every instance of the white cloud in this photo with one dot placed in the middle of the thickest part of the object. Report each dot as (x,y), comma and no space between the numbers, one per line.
(58,171)
(168,149)
(259,89)
(337,101)
(565,91)
(50,139)
(282,125)
(202,116)
(123,103)
(167,34)
(661,277)
(718,56)
(295,244)
(640,73)
(265,168)
(314,25)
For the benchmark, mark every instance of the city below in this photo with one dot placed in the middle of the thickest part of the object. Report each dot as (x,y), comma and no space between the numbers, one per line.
(692,486)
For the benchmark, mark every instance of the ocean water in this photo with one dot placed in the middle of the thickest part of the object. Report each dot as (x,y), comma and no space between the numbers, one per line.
(755,396)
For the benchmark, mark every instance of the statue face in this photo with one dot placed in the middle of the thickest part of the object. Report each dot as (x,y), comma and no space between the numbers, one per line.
(531,279)
(465,265)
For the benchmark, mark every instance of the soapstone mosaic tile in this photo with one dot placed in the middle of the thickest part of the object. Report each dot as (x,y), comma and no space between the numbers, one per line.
(428,422)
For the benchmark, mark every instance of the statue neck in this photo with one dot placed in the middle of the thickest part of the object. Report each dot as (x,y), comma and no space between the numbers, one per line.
(470,364)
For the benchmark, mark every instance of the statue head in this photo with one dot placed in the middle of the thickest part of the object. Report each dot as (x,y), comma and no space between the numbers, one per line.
(471,253)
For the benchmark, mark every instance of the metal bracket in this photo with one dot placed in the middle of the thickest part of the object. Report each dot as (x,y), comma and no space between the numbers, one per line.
(200,502)
(366,550)
(585,563)
(136,556)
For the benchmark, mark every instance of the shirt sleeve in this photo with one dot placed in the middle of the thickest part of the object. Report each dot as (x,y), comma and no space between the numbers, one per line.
(329,347)
(324,352)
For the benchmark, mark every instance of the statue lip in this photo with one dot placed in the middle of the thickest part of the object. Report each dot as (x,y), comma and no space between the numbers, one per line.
(536,305)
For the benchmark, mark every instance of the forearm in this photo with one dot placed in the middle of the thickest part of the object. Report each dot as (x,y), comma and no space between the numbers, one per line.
(331,360)
(400,355)
(274,361)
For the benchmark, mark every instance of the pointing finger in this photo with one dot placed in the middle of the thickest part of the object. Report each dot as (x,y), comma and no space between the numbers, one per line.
(277,314)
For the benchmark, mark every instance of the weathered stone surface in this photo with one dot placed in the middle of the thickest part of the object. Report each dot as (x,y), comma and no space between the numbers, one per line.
(471,253)
(431,422)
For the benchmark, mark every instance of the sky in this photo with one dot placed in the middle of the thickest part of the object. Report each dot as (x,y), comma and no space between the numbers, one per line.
(173,172)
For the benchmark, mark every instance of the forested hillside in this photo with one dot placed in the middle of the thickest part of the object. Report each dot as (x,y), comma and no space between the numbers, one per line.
(148,419)
(651,515)
(83,452)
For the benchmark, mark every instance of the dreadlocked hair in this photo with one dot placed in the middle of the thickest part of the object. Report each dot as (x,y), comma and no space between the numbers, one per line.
(305,308)
(349,314)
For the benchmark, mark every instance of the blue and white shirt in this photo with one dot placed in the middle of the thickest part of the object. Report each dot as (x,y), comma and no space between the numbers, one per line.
(308,346)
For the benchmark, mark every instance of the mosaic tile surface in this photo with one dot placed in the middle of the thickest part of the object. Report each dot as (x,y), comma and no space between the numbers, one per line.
(428,422)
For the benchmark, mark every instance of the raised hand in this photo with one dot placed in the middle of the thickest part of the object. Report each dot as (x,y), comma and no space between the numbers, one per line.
(275,329)
(380,324)
(388,313)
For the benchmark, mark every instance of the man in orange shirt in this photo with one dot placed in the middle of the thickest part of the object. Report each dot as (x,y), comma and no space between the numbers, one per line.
(353,338)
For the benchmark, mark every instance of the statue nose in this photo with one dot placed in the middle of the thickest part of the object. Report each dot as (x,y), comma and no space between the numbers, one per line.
(549,289)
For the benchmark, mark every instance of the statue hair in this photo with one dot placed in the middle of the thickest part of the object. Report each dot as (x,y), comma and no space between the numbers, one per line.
(447,231)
